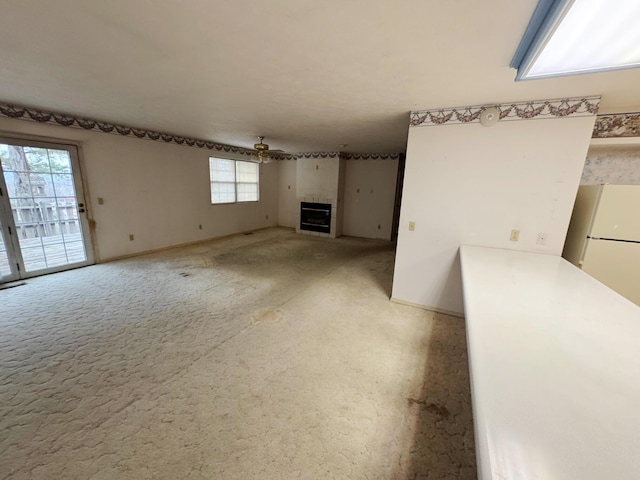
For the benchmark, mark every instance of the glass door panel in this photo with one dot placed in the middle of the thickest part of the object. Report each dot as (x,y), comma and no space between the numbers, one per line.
(47,209)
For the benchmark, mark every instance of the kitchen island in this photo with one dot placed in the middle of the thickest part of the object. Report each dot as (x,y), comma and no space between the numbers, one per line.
(555,369)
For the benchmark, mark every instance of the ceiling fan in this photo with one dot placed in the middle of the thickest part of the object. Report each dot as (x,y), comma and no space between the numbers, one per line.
(263,154)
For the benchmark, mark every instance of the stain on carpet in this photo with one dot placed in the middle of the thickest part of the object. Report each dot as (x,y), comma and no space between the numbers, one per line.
(267,315)
(439,410)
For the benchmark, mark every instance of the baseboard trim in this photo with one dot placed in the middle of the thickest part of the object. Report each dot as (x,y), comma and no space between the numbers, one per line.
(181,245)
(12,284)
(428,308)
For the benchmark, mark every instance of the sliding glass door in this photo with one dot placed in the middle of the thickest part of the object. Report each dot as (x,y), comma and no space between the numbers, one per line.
(43,217)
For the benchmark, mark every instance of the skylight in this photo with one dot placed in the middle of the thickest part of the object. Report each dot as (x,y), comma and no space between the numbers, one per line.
(568,37)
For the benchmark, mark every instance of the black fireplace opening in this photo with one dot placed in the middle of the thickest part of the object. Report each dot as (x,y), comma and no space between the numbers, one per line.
(315,217)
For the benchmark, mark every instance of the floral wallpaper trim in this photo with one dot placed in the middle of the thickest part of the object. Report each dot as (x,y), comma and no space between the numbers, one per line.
(349,156)
(513,111)
(72,121)
(65,120)
(317,155)
(617,125)
(282,156)
(370,156)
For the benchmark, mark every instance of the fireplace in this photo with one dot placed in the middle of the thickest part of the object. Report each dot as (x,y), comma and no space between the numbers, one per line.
(315,217)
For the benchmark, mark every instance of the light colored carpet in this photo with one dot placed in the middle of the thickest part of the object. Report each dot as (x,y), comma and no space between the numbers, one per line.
(265,356)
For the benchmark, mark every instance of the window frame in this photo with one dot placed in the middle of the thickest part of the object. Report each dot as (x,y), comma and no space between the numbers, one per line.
(235,182)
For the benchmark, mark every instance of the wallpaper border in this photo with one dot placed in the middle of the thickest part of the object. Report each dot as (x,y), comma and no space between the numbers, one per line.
(316,155)
(617,125)
(37,115)
(563,107)
(72,121)
(606,126)
(370,156)
(349,156)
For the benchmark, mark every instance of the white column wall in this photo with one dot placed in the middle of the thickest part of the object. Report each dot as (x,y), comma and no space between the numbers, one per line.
(469,184)
(318,181)
(287,201)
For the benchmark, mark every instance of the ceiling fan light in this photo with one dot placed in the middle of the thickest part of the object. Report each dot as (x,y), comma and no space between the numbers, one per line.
(261,146)
(262,151)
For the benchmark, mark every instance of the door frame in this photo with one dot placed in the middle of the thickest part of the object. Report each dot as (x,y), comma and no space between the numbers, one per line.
(80,191)
(14,255)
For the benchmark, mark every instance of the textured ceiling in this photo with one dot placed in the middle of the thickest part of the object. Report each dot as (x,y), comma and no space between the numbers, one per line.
(309,75)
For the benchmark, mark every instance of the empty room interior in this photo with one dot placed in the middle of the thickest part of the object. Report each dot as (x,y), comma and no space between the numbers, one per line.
(319,240)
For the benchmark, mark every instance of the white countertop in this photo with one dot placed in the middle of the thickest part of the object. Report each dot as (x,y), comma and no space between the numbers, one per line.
(555,369)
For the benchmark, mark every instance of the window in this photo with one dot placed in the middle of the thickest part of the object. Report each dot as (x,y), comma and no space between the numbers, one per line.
(233,181)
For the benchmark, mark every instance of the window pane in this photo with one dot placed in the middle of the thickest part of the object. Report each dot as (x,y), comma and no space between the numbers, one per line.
(222,170)
(60,161)
(223,192)
(37,158)
(13,185)
(41,185)
(6,153)
(247,192)
(75,251)
(247,172)
(33,258)
(63,183)
(17,184)
(55,255)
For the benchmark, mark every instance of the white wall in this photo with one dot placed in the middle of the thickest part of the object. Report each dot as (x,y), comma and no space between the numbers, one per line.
(370,188)
(471,184)
(287,201)
(318,177)
(158,192)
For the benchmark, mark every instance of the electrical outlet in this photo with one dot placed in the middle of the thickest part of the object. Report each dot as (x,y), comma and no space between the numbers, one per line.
(412,226)
(515,235)
(131,237)
(542,239)
(100,201)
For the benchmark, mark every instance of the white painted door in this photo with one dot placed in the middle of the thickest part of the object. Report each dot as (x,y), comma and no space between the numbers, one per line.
(42,210)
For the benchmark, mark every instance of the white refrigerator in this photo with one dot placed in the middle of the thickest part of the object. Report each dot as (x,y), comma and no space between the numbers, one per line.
(604,236)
